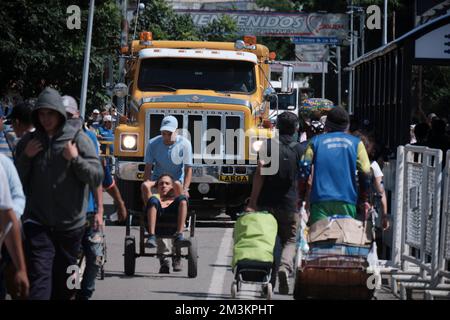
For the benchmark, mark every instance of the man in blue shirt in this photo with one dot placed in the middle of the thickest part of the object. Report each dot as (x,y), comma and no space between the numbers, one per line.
(171,154)
(105,133)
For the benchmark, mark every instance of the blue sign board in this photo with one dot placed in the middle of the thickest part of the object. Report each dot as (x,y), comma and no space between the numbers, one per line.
(316,40)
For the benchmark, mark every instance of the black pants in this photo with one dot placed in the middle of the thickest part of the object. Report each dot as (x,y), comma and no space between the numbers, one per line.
(49,254)
(3,263)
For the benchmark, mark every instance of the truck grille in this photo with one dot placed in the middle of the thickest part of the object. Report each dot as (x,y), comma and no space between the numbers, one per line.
(210,144)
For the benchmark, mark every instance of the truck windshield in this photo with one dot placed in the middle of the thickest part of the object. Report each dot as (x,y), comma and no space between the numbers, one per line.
(284,100)
(170,74)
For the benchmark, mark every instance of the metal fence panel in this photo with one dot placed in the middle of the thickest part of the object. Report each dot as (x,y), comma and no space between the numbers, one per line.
(444,254)
(421,210)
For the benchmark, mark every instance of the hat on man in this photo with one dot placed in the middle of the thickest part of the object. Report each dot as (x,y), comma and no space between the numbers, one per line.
(21,112)
(71,105)
(169,123)
(96,111)
(337,119)
(107,118)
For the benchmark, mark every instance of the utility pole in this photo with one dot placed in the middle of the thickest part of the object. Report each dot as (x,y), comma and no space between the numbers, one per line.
(362,26)
(123,44)
(323,77)
(350,77)
(338,58)
(385,22)
(87,56)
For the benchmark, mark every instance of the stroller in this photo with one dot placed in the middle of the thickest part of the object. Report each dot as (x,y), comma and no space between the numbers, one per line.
(254,241)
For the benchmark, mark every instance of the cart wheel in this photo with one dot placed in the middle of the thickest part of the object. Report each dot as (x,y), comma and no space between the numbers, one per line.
(192,224)
(269,291)
(130,255)
(234,290)
(192,259)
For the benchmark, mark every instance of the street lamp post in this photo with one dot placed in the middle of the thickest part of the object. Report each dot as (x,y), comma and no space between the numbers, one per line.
(87,55)
(350,77)
(385,20)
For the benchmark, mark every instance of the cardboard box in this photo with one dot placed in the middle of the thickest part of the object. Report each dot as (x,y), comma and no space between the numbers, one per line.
(342,230)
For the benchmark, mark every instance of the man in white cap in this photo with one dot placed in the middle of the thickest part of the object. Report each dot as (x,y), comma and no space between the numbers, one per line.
(167,153)
(105,133)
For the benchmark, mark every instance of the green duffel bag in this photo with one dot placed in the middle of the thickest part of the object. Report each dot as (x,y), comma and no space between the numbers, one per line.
(254,237)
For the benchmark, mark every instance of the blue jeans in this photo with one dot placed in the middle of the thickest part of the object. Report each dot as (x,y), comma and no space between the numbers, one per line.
(92,246)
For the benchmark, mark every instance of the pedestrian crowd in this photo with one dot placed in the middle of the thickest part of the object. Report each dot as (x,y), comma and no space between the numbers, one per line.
(316,175)
(434,133)
(51,196)
(52,181)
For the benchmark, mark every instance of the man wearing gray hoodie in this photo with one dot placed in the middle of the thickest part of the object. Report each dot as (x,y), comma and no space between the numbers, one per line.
(57,164)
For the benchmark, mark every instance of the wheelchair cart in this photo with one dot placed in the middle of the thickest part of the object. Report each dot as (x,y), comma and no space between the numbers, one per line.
(165,229)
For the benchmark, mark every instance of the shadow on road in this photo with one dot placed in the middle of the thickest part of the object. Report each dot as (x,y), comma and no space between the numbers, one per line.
(202,295)
(121,275)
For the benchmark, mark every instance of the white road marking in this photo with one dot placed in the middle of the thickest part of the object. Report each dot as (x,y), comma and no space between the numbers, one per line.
(219,273)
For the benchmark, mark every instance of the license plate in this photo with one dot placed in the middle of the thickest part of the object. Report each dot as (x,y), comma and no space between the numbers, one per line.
(239,179)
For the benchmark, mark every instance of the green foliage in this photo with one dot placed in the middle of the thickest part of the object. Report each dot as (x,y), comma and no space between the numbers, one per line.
(165,24)
(159,18)
(223,29)
(277,5)
(39,50)
(341,5)
(436,92)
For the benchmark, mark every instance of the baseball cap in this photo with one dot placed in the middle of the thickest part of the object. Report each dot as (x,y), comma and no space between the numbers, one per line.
(70,104)
(96,111)
(169,123)
(107,118)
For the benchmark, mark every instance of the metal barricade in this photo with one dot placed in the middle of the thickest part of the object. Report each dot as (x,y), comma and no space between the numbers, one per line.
(442,279)
(419,219)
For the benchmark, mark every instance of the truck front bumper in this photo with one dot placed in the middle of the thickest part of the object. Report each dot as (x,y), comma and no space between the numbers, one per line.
(201,174)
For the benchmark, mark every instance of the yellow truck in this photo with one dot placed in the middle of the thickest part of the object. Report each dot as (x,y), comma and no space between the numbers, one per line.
(213,89)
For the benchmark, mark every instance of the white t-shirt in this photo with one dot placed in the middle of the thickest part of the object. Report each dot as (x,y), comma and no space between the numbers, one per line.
(376,169)
(5,195)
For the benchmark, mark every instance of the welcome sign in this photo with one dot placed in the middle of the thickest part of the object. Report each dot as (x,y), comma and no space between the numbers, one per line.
(261,23)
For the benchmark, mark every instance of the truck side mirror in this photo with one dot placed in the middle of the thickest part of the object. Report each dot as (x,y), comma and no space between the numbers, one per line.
(107,74)
(287,79)
(270,94)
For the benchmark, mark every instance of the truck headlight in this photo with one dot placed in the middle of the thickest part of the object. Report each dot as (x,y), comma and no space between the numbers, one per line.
(128,142)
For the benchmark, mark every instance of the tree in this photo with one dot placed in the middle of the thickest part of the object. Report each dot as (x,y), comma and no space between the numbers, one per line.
(38,49)
(166,24)
(223,29)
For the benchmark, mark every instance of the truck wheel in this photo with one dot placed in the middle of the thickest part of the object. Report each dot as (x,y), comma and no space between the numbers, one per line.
(130,256)
(192,259)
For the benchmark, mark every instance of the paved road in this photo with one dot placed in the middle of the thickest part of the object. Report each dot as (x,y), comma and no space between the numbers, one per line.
(214,271)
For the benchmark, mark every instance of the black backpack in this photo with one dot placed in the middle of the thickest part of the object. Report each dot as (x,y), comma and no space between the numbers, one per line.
(287,170)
